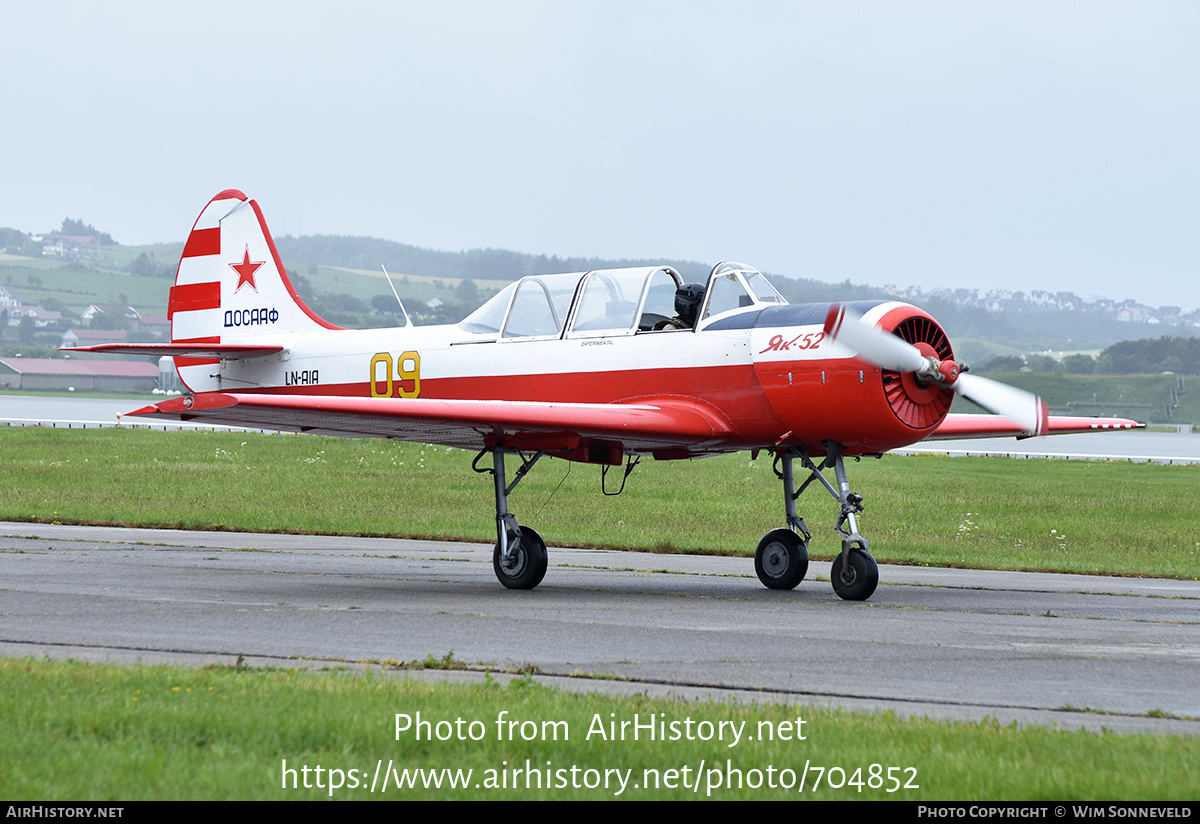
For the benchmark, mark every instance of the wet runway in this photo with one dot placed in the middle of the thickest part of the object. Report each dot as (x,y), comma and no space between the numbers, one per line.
(1066,650)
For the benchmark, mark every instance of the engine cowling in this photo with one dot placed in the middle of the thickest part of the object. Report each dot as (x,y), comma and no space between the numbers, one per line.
(920,405)
(824,391)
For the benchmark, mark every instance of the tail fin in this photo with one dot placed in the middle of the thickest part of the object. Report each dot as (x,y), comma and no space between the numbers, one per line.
(231,287)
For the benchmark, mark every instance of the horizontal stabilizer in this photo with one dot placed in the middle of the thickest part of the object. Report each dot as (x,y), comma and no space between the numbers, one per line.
(224,351)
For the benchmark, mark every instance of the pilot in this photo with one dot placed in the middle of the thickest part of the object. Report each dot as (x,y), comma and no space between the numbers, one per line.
(687,301)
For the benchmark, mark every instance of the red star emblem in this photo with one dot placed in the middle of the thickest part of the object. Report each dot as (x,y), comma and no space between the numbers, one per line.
(246,270)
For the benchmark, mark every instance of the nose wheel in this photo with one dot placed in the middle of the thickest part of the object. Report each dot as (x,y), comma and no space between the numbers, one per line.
(854,574)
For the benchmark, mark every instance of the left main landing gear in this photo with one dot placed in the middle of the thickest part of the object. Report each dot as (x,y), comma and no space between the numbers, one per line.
(854,572)
(520,557)
(781,559)
(521,563)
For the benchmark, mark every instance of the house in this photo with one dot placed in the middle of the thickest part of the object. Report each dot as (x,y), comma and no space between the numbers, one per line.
(90,314)
(95,314)
(91,337)
(70,245)
(158,324)
(41,317)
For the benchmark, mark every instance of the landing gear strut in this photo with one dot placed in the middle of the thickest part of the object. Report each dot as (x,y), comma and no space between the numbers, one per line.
(520,558)
(854,573)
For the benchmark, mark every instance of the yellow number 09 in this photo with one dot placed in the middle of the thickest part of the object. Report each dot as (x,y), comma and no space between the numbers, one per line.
(407,383)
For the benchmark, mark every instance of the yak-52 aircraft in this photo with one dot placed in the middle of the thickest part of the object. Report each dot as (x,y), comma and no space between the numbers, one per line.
(598,367)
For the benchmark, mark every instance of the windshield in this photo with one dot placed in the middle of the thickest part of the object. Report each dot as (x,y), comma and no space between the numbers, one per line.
(763,291)
(489,317)
(540,307)
(534,306)
(735,286)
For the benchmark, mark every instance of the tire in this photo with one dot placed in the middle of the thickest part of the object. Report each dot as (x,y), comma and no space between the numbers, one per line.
(781,559)
(529,562)
(859,580)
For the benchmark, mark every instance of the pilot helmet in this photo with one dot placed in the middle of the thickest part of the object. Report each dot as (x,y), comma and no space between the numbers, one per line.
(687,300)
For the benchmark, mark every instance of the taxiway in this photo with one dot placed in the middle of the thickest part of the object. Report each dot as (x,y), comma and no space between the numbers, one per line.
(1066,650)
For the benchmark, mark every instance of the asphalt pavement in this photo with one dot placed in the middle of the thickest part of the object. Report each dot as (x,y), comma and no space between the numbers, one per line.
(1062,650)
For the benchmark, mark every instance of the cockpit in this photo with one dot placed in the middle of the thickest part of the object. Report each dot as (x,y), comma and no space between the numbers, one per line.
(610,302)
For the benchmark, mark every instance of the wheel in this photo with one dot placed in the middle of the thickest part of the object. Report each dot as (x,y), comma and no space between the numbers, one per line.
(527,566)
(781,559)
(858,581)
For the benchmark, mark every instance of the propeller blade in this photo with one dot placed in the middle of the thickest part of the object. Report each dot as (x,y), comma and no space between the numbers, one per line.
(881,348)
(1022,408)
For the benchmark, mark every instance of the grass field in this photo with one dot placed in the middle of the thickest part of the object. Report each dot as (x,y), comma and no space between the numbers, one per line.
(1067,516)
(80,731)
(99,733)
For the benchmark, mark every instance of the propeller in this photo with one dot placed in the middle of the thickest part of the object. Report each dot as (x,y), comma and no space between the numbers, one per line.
(884,349)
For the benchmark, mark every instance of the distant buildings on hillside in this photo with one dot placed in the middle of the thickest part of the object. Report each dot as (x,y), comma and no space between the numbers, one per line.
(17,310)
(1005,300)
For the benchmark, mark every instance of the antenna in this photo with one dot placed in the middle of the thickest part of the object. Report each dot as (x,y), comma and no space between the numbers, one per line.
(407,319)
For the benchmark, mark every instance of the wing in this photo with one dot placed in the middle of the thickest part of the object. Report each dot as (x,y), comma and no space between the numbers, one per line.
(661,425)
(957,425)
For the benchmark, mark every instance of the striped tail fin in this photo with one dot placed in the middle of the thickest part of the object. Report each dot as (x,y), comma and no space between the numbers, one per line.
(231,288)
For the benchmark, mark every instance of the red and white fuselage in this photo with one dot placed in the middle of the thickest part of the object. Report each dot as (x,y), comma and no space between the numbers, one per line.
(566,363)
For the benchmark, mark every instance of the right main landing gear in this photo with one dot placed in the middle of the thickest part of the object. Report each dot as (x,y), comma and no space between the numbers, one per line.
(520,557)
(777,560)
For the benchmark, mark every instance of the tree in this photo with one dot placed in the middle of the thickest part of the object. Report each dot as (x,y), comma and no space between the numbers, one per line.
(56,305)
(467,291)
(385,304)
(147,266)
(1003,363)
(77,228)
(27,331)
(12,239)
(1079,364)
(1041,363)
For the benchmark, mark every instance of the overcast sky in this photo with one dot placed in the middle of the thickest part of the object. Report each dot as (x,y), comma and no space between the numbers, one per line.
(1024,145)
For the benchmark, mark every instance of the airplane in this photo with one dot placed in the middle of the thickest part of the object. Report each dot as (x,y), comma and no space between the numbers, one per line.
(602,367)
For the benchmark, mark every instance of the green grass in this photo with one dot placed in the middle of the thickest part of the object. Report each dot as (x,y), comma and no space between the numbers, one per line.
(78,287)
(76,731)
(97,732)
(996,513)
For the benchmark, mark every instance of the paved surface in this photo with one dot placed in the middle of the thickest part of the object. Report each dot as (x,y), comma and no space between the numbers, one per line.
(937,642)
